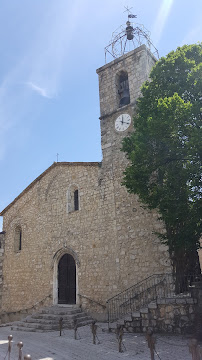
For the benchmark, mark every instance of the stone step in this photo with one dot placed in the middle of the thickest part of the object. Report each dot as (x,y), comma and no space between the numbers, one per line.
(85,322)
(61,310)
(55,320)
(50,316)
(37,325)
(21,328)
(33,327)
(48,319)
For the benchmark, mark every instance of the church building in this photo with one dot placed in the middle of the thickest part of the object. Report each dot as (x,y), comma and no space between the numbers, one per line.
(75,235)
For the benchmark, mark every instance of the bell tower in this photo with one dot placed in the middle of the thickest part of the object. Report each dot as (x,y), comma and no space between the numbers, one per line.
(120,81)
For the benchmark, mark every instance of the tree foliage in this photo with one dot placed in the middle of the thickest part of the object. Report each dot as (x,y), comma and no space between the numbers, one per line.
(165,150)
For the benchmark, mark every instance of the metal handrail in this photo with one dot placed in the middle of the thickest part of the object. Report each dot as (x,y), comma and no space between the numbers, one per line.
(26,310)
(140,282)
(93,301)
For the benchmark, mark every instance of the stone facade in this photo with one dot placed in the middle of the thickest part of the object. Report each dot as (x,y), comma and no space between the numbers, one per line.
(110,236)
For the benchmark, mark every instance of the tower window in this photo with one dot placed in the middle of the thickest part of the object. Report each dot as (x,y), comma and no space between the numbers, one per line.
(123,89)
(18,239)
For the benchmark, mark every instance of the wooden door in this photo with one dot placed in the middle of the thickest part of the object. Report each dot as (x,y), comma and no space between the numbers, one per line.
(67,280)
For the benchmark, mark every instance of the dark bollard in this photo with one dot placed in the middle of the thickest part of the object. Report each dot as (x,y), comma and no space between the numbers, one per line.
(120,337)
(194,349)
(60,325)
(75,329)
(20,345)
(27,357)
(151,343)
(94,331)
(117,331)
(10,338)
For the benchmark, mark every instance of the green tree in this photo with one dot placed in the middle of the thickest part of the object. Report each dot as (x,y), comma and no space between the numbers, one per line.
(165,152)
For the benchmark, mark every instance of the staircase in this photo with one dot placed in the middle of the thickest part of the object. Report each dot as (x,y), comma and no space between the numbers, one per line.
(47,319)
(151,289)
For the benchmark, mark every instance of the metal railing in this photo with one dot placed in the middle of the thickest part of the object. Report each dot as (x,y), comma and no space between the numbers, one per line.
(157,286)
(92,301)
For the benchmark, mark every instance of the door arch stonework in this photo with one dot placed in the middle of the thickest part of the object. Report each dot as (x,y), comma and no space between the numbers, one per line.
(55,265)
(67,280)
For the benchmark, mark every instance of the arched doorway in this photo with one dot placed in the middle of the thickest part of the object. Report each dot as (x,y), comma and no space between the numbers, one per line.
(67,280)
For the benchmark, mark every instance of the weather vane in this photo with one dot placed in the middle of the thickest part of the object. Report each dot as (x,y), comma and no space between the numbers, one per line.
(130,15)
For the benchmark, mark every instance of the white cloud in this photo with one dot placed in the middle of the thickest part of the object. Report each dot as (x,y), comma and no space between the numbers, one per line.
(38,89)
(161,19)
(41,65)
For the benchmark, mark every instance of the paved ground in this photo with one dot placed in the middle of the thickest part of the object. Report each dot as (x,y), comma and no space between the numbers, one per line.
(50,346)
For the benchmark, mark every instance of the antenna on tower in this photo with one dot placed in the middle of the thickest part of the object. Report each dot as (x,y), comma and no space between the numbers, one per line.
(128,37)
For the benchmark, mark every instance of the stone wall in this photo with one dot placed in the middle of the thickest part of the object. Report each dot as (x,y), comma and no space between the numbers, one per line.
(164,316)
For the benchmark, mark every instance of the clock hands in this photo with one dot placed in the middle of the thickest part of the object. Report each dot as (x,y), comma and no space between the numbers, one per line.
(124,122)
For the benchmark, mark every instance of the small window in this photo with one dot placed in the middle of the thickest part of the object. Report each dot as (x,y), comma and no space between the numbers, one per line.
(123,89)
(18,239)
(72,199)
(76,199)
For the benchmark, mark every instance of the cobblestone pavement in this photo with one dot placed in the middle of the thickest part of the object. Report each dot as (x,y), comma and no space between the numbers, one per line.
(50,346)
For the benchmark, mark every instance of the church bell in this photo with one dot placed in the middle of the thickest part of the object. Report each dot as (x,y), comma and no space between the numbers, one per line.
(129,31)
(125,98)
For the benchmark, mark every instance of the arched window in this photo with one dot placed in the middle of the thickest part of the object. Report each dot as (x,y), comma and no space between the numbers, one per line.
(123,89)
(72,198)
(76,199)
(18,239)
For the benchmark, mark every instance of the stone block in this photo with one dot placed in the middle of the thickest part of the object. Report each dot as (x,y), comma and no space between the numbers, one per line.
(144,310)
(170,301)
(190,301)
(161,301)
(180,301)
(152,306)
(127,318)
(136,315)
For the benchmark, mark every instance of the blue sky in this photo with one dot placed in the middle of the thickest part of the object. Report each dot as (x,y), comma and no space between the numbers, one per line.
(50,50)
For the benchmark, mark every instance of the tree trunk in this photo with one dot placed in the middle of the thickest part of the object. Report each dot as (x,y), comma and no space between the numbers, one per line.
(186,267)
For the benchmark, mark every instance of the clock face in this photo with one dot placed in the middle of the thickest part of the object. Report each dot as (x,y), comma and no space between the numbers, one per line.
(122,122)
